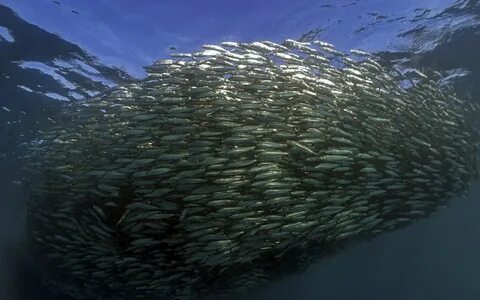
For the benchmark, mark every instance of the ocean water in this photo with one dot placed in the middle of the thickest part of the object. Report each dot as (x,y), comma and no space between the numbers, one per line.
(56,52)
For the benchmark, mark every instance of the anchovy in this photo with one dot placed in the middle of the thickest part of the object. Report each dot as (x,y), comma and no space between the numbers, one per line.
(227,166)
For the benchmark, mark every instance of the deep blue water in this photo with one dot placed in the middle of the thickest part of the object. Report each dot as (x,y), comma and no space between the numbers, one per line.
(57,51)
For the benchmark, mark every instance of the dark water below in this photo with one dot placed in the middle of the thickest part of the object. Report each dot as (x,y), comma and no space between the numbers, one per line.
(54,52)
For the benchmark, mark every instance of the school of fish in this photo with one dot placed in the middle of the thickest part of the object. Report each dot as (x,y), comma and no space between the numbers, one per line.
(228,167)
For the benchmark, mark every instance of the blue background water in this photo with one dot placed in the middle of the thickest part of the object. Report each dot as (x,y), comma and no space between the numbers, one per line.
(55,51)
